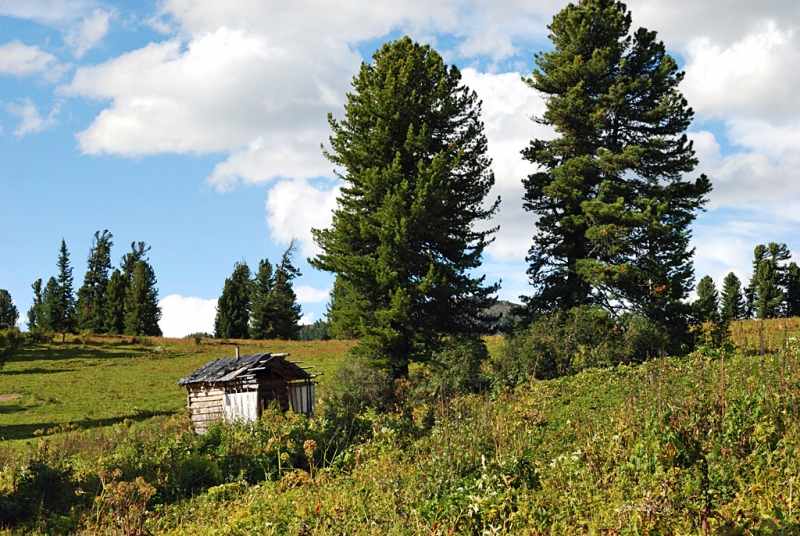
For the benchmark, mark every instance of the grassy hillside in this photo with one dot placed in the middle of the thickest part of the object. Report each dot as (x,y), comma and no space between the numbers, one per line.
(91,380)
(709,443)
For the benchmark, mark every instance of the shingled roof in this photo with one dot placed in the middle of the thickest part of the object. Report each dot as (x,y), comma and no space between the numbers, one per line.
(245,367)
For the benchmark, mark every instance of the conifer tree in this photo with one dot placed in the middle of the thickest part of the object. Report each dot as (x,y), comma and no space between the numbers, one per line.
(35,312)
(613,206)
(50,305)
(142,311)
(64,316)
(344,311)
(706,307)
(283,301)
(412,152)
(733,305)
(9,314)
(91,304)
(793,290)
(115,303)
(233,306)
(261,313)
(765,293)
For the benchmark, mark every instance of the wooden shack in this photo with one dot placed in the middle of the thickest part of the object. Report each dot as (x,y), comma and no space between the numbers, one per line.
(239,388)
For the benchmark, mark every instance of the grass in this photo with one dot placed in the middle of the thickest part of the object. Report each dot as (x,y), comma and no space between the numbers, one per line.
(87,381)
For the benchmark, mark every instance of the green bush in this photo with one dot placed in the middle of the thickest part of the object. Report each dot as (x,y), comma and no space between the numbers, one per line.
(456,368)
(567,342)
(358,385)
(10,341)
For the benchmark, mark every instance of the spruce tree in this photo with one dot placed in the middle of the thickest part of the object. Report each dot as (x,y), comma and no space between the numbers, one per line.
(793,290)
(613,206)
(9,314)
(344,311)
(50,305)
(283,300)
(35,312)
(91,304)
(412,152)
(64,315)
(114,314)
(765,294)
(261,310)
(733,305)
(233,306)
(706,307)
(142,311)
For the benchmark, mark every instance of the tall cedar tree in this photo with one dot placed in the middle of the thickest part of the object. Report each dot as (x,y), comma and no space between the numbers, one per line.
(765,293)
(92,294)
(344,310)
(283,301)
(614,209)
(706,307)
(793,290)
(35,312)
(64,318)
(50,307)
(403,239)
(733,306)
(142,312)
(261,312)
(233,306)
(115,303)
(9,314)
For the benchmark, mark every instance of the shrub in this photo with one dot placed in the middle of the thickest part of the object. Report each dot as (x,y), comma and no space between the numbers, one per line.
(358,385)
(10,341)
(456,368)
(567,342)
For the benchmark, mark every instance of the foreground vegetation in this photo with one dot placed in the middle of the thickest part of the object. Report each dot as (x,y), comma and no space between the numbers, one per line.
(701,444)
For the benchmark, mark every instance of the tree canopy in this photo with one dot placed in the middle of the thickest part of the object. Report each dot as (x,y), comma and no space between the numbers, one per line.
(613,206)
(403,241)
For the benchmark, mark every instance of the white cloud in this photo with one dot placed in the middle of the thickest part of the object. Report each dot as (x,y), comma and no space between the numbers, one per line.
(184,315)
(749,76)
(90,31)
(294,207)
(52,12)
(309,294)
(30,120)
(18,59)
(508,105)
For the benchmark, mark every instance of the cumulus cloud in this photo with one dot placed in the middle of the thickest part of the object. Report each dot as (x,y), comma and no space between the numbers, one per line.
(31,121)
(52,12)
(184,315)
(309,294)
(18,59)
(508,106)
(89,32)
(749,76)
(294,207)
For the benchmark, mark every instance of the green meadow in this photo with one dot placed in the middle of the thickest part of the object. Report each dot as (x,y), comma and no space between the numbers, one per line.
(98,381)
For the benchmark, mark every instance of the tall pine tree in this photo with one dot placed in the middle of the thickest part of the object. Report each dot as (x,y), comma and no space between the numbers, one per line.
(9,314)
(233,306)
(706,307)
(114,315)
(412,152)
(793,290)
(733,305)
(142,312)
(613,205)
(91,304)
(63,313)
(50,305)
(765,293)
(283,300)
(261,306)
(35,313)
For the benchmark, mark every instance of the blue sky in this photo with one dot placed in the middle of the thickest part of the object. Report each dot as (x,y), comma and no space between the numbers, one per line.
(196,126)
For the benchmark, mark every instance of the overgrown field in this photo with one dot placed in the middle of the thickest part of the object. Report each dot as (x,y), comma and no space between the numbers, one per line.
(87,381)
(709,443)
